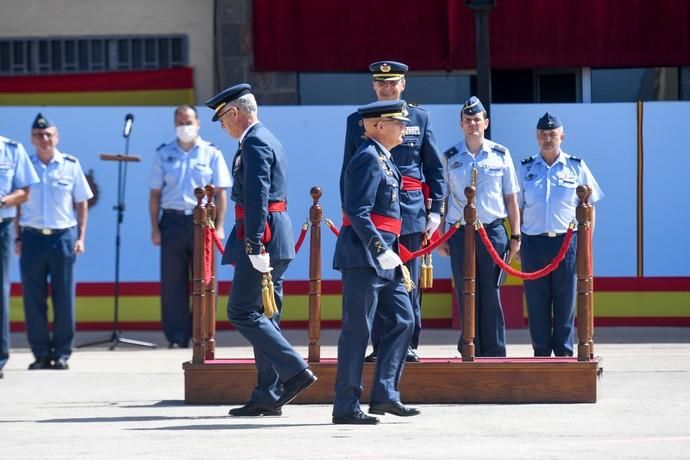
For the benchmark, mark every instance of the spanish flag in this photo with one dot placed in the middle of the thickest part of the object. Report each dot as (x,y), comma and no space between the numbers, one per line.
(129,88)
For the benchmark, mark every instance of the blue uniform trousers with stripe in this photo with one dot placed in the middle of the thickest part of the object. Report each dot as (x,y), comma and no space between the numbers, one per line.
(5,247)
(551,299)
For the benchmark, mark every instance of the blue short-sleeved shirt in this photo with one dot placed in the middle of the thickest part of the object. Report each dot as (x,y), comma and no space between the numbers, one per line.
(177,173)
(548,195)
(495,178)
(16,172)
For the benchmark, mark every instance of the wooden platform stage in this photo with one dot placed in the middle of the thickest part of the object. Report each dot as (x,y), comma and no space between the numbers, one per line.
(434,380)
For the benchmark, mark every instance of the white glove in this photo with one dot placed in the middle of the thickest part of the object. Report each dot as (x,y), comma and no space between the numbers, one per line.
(261,262)
(432,223)
(389,260)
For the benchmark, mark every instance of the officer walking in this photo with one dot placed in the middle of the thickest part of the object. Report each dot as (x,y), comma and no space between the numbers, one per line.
(16,175)
(365,253)
(548,184)
(178,168)
(419,161)
(52,225)
(261,242)
(496,199)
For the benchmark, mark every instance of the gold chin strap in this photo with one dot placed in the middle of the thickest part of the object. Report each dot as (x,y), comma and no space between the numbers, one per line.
(268,296)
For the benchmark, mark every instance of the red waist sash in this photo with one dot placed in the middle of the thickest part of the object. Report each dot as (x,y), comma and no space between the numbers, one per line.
(410,183)
(276,206)
(384,223)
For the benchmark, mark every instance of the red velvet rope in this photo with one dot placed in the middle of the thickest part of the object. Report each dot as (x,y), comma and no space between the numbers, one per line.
(302,234)
(332,226)
(406,255)
(522,275)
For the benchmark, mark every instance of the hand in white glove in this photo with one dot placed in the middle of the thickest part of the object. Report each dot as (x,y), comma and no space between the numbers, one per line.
(389,260)
(261,262)
(432,223)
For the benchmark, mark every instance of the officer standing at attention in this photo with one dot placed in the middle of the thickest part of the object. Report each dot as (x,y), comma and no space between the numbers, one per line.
(178,168)
(548,184)
(496,199)
(261,242)
(51,230)
(419,161)
(16,175)
(372,279)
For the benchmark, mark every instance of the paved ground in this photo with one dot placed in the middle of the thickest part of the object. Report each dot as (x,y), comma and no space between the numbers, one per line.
(128,403)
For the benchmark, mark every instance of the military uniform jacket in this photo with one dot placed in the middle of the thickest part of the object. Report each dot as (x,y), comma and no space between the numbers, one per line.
(16,172)
(259,170)
(371,184)
(548,195)
(418,157)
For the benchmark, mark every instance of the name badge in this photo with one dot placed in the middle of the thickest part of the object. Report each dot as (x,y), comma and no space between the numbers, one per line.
(412,131)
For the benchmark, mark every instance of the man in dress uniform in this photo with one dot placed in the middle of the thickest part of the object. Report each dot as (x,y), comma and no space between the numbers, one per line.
(365,253)
(261,242)
(51,232)
(178,168)
(548,198)
(496,199)
(419,161)
(16,176)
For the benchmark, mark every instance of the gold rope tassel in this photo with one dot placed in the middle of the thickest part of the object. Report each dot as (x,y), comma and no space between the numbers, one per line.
(268,296)
(407,279)
(422,274)
(429,282)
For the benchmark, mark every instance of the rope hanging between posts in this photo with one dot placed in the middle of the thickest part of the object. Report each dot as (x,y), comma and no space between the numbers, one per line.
(331,226)
(517,273)
(302,234)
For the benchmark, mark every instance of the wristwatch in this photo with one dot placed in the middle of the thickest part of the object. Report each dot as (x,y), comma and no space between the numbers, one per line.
(517,237)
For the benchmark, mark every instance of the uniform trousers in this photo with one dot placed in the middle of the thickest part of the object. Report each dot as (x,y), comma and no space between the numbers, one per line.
(42,257)
(551,299)
(490,329)
(5,247)
(412,242)
(365,294)
(177,247)
(276,360)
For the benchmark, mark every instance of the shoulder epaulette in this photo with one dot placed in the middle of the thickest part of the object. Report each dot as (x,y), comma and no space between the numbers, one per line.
(527,160)
(71,158)
(575,159)
(161,146)
(8,141)
(499,148)
(450,152)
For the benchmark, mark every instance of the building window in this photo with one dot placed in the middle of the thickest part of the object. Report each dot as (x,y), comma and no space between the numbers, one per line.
(31,56)
(635,84)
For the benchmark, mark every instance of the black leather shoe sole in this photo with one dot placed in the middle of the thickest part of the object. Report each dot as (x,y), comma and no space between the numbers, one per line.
(41,363)
(394,408)
(295,386)
(358,418)
(251,410)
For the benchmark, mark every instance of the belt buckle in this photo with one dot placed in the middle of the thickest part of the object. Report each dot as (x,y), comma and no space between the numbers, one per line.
(551,234)
(46,231)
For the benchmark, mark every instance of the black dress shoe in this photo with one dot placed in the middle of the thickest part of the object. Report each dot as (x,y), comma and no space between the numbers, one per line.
(372,357)
(61,364)
(253,410)
(295,386)
(411,356)
(2,376)
(357,418)
(392,407)
(40,363)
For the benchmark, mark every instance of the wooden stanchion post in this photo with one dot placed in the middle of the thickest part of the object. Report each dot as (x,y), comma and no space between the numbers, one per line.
(210,288)
(590,235)
(469,271)
(315,218)
(584,275)
(198,273)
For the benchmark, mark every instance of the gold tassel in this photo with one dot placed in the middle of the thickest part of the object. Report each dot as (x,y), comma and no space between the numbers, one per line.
(429,272)
(407,279)
(422,275)
(267,296)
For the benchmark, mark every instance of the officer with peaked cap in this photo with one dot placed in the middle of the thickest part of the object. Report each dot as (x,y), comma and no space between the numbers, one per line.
(366,255)
(51,232)
(260,242)
(548,198)
(180,166)
(16,176)
(496,199)
(419,161)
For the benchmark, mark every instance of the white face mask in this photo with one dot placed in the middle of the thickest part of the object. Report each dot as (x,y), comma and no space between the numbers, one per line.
(187,133)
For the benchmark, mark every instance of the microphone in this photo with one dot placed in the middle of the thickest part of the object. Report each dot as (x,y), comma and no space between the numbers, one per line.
(129,121)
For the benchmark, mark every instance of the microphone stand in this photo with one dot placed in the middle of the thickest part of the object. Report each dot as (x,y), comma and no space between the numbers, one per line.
(116,335)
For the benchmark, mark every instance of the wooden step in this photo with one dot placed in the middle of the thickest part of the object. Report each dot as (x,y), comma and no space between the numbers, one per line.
(433,380)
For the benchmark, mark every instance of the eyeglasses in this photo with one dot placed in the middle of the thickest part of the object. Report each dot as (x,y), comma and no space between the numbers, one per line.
(43,135)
